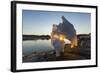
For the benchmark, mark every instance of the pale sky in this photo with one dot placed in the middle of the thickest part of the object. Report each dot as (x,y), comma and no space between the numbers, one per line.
(40,22)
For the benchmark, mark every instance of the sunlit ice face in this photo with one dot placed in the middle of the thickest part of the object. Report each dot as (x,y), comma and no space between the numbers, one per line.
(61,37)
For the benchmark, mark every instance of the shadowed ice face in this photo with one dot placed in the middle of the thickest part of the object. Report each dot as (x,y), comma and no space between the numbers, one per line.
(54,28)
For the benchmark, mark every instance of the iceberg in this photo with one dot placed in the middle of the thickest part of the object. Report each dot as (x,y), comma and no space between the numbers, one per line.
(62,33)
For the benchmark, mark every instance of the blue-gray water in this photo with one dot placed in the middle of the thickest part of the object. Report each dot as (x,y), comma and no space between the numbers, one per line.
(33,51)
(30,46)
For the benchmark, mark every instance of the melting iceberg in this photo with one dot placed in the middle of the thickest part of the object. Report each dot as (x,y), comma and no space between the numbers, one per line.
(62,33)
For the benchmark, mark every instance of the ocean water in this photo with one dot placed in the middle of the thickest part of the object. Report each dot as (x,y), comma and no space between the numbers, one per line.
(30,46)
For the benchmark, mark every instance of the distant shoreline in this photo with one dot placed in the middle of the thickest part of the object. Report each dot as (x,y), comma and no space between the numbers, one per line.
(47,37)
(35,37)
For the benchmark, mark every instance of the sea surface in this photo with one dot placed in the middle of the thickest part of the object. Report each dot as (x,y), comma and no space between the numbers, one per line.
(42,50)
(36,46)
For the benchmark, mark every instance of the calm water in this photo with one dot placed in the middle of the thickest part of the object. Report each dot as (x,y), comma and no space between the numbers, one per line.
(30,46)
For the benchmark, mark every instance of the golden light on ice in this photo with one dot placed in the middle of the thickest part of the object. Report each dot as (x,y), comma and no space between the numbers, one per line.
(62,37)
(72,46)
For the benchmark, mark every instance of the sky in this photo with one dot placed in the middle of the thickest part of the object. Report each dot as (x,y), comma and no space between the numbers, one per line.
(40,22)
